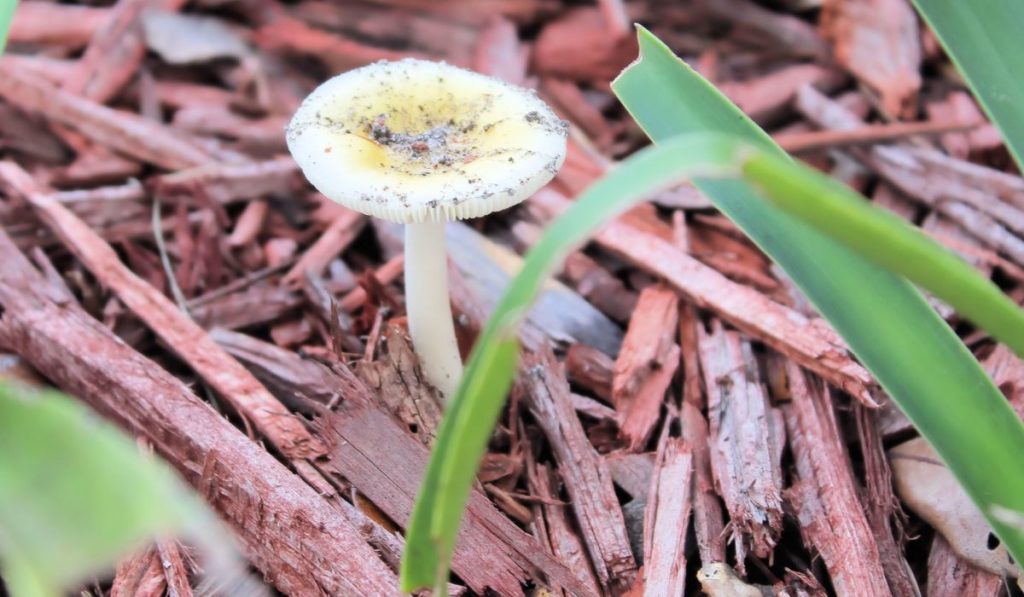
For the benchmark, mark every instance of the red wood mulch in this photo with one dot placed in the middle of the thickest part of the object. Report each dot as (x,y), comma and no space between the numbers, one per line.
(683,420)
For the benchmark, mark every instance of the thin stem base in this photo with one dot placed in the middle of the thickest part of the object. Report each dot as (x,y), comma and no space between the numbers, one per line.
(428,306)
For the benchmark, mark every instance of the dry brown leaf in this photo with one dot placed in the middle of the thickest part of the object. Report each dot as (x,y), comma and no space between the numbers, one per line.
(879,41)
(207,38)
(930,490)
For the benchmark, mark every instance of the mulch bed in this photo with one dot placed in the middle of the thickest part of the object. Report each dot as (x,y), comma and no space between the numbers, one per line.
(680,409)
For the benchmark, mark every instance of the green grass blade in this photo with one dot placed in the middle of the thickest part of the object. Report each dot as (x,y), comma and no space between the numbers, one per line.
(889,241)
(471,417)
(911,351)
(984,41)
(76,494)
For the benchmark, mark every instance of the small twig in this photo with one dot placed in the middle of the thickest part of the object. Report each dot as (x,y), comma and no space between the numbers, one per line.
(165,260)
(866,135)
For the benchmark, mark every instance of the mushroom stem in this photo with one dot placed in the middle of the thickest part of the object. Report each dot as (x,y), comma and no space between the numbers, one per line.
(428,306)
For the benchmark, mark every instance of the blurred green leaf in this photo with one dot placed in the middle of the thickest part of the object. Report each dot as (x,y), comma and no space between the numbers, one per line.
(76,494)
(983,38)
(914,355)
(6,14)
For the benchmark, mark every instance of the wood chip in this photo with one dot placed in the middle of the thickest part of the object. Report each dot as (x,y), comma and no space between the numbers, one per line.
(139,575)
(777,30)
(227,183)
(944,189)
(743,446)
(115,51)
(646,364)
(590,369)
(951,576)
(878,41)
(174,568)
(397,379)
(228,378)
(338,53)
(303,385)
(882,508)
(565,542)
(831,516)
(285,528)
(124,132)
(379,456)
(767,97)
(588,277)
(577,46)
(543,387)
(668,508)
(559,312)
(45,23)
(811,343)
(339,235)
(708,524)
(631,472)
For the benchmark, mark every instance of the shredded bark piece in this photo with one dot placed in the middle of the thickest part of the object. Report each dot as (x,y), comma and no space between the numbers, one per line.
(811,343)
(256,305)
(831,516)
(952,189)
(230,380)
(174,568)
(631,472)
(379,456)
(561,534)
(646,364)
(339,53)
(569,47)
(743,453)
(124,132)
(397,379)
(708,526)
(588,277)
(226,183)
(951,576)
(139,575)
(331,243)
(767,97)
(883,509)
(590,369)
(115,51)
(599,286)
(65,25)
(668,508)
(300,544)
(542,385)
(879,41)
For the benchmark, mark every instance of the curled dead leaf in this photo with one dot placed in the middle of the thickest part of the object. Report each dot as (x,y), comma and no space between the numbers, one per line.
(930,490)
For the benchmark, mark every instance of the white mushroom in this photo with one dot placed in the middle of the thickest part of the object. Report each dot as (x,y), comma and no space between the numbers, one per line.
(421,143)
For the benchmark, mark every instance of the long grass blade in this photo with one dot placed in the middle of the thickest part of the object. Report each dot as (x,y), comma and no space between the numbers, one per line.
(889,241)
(471,417)
(984,41)
(914,355)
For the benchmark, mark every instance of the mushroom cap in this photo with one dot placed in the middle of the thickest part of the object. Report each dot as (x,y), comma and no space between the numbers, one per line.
(415,141)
